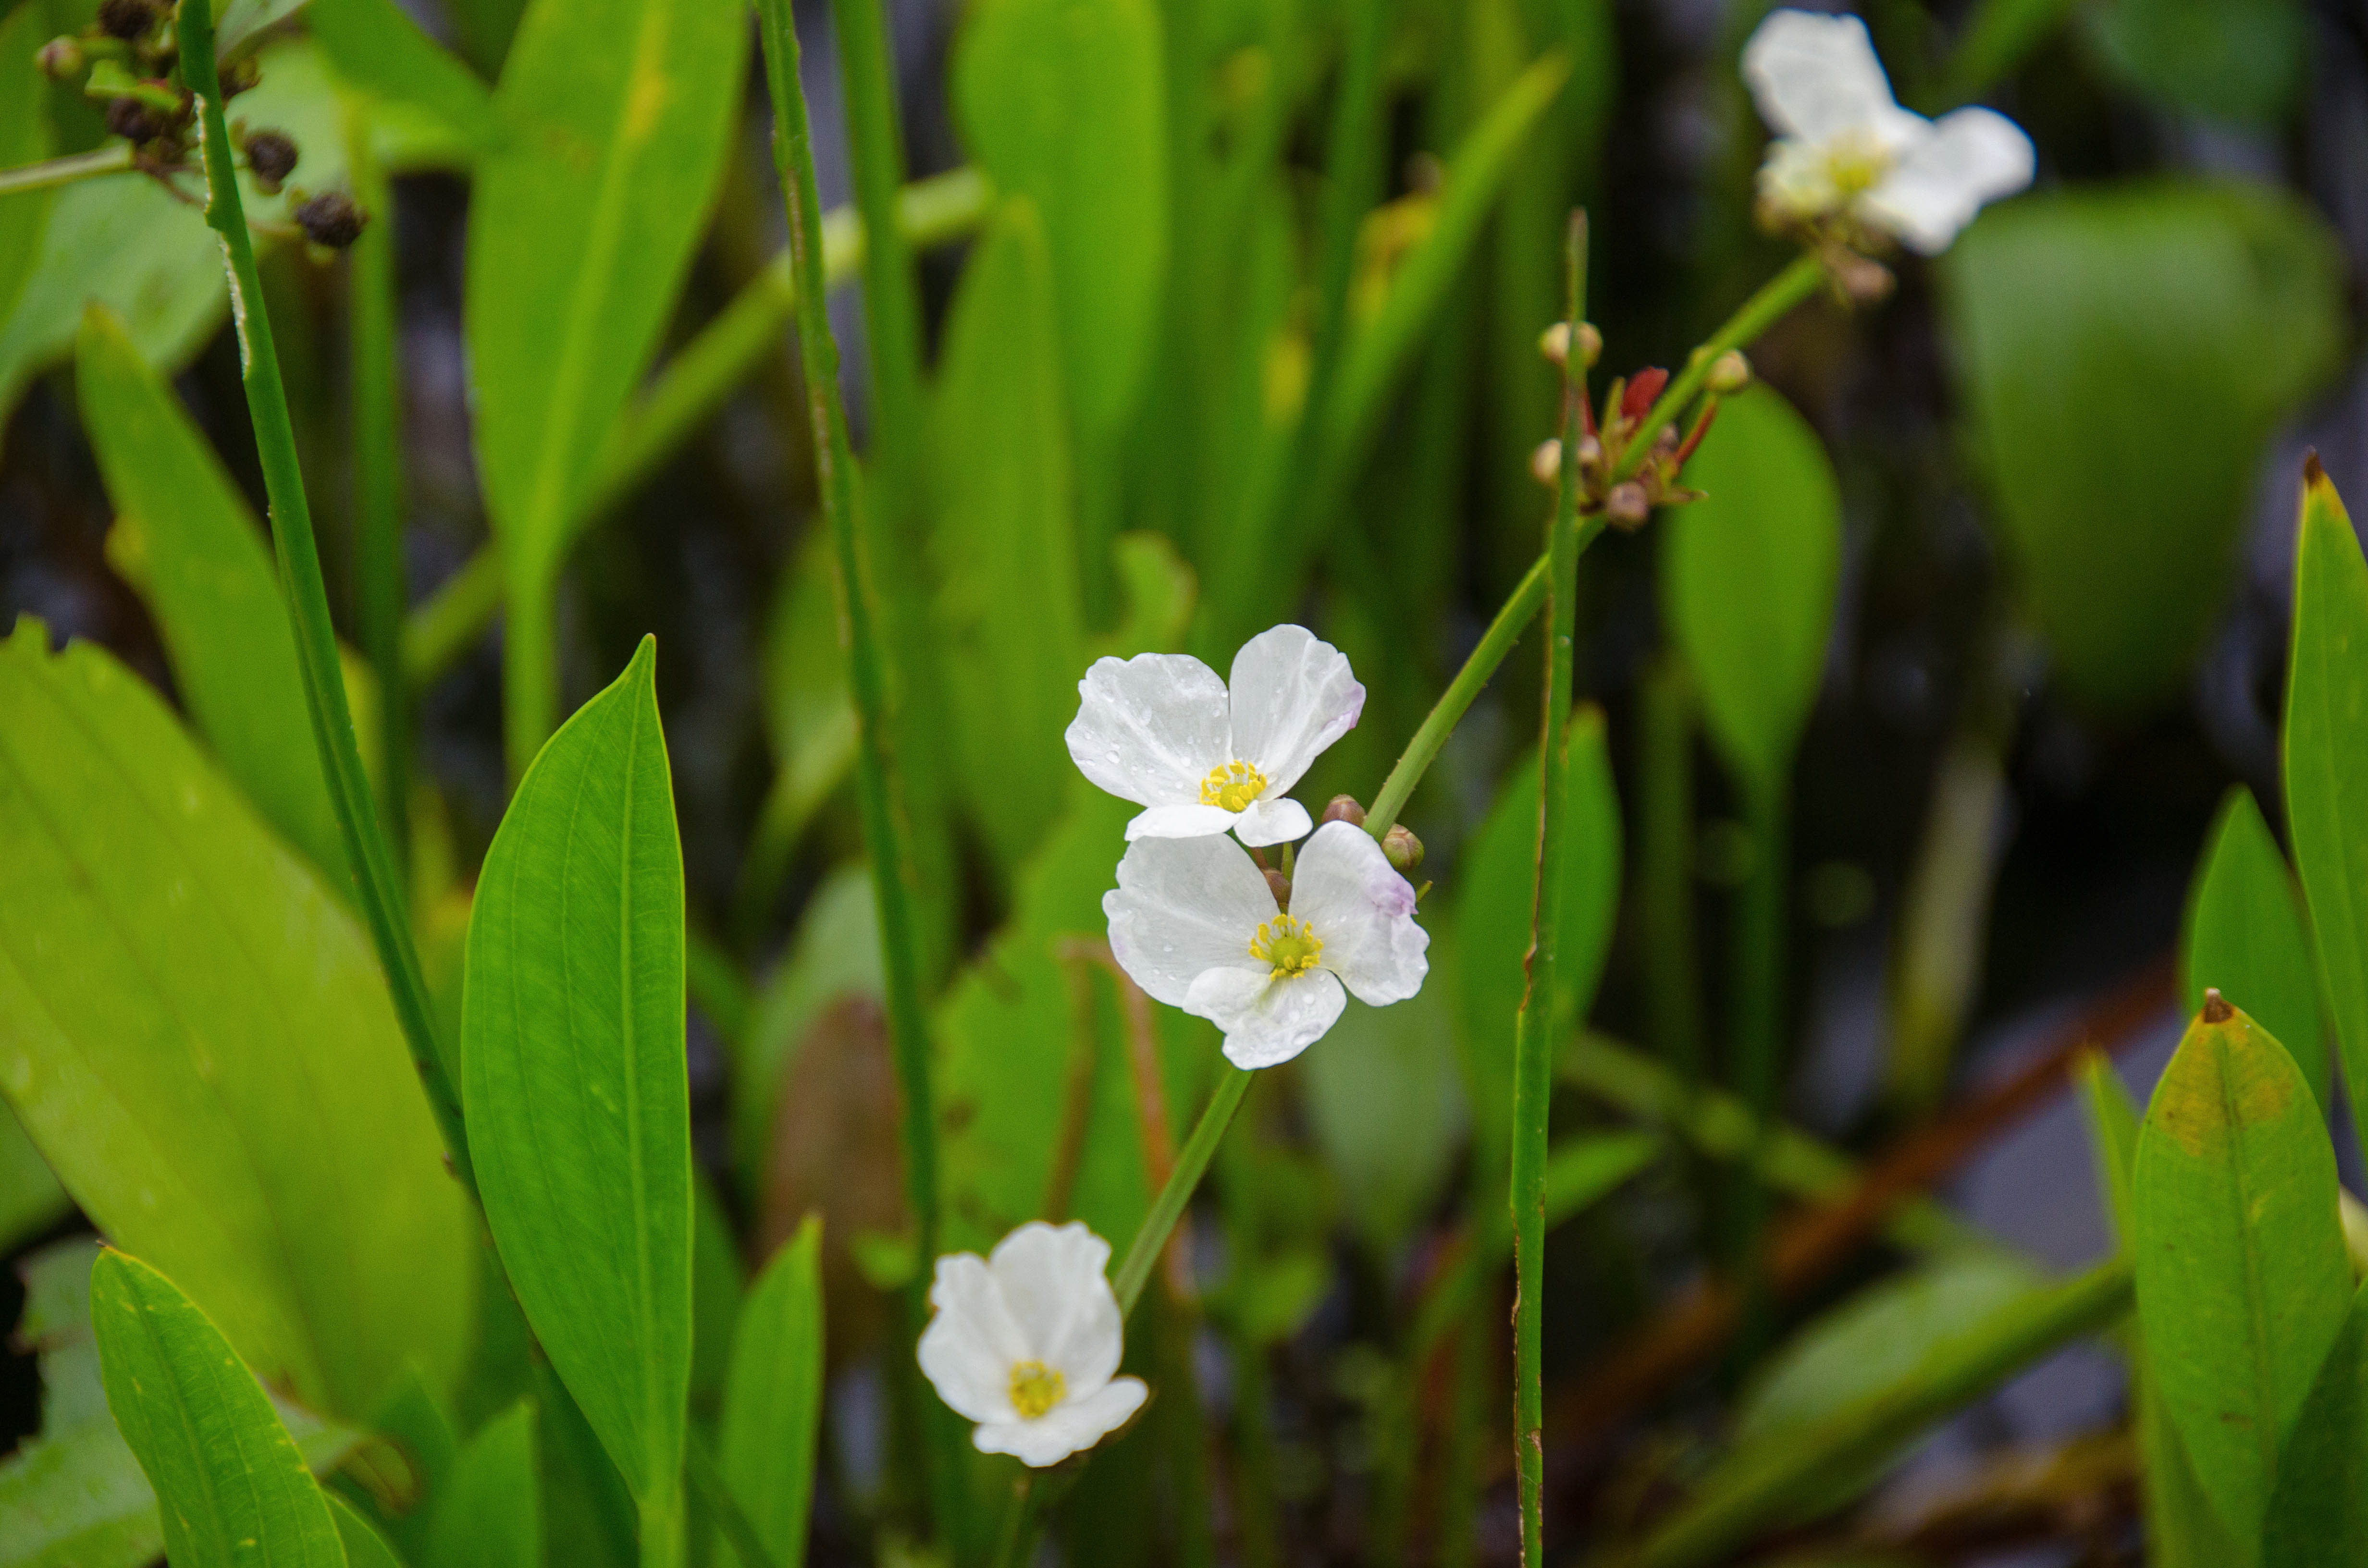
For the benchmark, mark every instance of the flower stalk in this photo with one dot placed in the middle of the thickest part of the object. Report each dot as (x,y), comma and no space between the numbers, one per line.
(377,474)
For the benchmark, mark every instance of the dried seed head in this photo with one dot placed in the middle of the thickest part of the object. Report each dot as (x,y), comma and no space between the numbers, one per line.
(2216,1007)
(1729,373)
(133,121)
(126,19)
(61,60)
(270,154)
(1627,506)
(331,219)
(1555,343)
(1545,462)
(1343,808)
(1403,848)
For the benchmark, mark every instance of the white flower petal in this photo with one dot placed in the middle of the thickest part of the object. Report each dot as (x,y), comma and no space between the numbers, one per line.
(1183,906)
(1972,156)
(1148,728)
(969,1348)
(1292,696)
(1817,77)
(1179,822)
(1053,1282)
(1267,1020)
(1346,889)
(1065,1430)
(1269,820)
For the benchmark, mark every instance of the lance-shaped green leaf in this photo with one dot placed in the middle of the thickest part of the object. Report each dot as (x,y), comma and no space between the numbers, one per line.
(229,1483)
(616,117)
(375,47)
(2246,938)
(491,1513)
(25,138)
(2242,1278)
(2326,745)
(579,1105)
(772,1399)
(1749,572)
(206,569)
(2318,1513)
(365,1547)
(216,1074)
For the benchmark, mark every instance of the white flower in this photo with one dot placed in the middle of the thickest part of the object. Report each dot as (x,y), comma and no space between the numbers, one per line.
(1025,1342)
(1162,731)
(1845,150)
(1195,924)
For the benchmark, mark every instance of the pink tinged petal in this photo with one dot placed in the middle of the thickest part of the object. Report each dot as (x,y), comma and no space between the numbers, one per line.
(1293,696)
(1972,156)
(1053,1280)
(969,1348)
(1183,906)
(1346,889)
(1148,728)
(1817,77)
(1067,1428)
(1267,1021)
(1271,820)
(1179,822)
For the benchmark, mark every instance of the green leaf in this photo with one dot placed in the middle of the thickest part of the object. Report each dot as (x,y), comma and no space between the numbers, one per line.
(1492,920)
(375,47)
(30,1198)
(579,1105)
(716,1288)
(616,118)
(241,23)
(25,138)
(2242,1278)
(1006,543)
(2128,352)
(1748,577)
(2246,937)
(836,953)
(1064,102)
(1387,1111)
(485,29)
(490,1515)
(217,1076)
(234,1488)
(365,1547)
(772,1400)
(206,572)
(2325,757)
(2318,1513)
(2242,60)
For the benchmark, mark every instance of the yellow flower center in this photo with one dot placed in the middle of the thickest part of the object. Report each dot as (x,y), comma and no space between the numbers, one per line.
(1289,945)
(1233,787)
(1036,1387)
(1855,164)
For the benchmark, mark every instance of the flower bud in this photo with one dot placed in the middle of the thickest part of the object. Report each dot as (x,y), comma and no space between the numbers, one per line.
(133,120)
(1403,848)
(270,154)
(1590,343)
(1555,343)
(1638,399)
(1343,808)
(1863,281)
(1278,885)
(1545,462)
(1627,506)
(61,60)
(1729,373)
(331,219)
(1590,453)
(126,19)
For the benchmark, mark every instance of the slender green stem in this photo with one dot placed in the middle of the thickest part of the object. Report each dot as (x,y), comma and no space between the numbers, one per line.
(695,383)
(1439,723)
(1192,1163)
(662,1532)
(378,476)
(52,172)
(1664,870)
(1019,1522)
(1753,316)
(1533,1034)
(308,601)
(884,834)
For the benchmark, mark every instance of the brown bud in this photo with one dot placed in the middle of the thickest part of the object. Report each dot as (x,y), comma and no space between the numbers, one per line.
(1729,373)
(1343,808)
(133,121)
(1278,885)
(61,60)
(2216,1007)
(1545,462)
(331,219)
(1627,506)
(270,154)
(126,19)
(1403,848)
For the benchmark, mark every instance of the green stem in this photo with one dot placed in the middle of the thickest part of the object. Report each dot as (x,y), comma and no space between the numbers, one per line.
(52,172)
(1665,871)
(695,383)
(378,476)
(308,600)
(883,834)
(662,1526)
(1533,1042)
(1019,1522)
(1192,1163)
(1753,316)
(1439,723)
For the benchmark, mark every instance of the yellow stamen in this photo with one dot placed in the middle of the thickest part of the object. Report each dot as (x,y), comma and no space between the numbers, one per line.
(1036,1387)
(1857,163)
(1233,786)
(1289,945)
